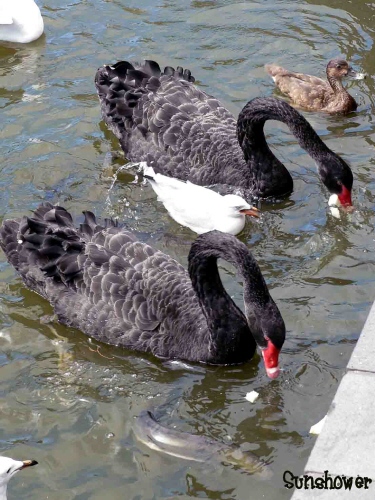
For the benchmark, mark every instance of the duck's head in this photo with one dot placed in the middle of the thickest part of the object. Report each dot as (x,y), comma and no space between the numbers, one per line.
(339,68)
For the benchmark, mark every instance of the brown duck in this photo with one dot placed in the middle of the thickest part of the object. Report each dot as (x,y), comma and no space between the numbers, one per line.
(316,94)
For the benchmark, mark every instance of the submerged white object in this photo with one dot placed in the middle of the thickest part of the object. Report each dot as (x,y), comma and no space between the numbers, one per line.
(334,201)
(20,21)
(9,467)
(333,204)
(335,212)
(360,76)
(317,428)
(200,208)
(252,396)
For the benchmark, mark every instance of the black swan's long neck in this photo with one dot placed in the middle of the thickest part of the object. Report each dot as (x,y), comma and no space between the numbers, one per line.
(232,334)
(266,168)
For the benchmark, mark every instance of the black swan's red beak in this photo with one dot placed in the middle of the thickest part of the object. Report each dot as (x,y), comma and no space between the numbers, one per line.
(345,197)
(271,359)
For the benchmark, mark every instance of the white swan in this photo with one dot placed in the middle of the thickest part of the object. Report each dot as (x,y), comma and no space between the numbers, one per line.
(20,21)
(200,208)
(9,467)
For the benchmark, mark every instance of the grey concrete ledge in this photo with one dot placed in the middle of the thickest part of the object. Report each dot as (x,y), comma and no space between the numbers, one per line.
(346,445)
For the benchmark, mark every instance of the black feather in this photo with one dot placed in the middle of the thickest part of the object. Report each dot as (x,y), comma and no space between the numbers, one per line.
(211,146)
(121,291)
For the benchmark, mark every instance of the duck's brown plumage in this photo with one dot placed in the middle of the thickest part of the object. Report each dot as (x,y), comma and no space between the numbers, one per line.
(313,93)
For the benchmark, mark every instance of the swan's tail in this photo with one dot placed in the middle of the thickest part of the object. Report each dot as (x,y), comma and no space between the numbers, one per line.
(21,238)
(47,244)
(9,241)
(121,87)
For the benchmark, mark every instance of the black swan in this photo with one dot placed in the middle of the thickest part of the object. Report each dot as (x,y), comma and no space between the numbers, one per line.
(316,94)
(118,290)
(164,119)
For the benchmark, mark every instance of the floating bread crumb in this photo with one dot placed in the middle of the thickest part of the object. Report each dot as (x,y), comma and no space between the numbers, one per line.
(252,396)
(317,428)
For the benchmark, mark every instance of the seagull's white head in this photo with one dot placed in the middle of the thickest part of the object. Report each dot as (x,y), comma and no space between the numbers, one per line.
(236,206)
(9,467)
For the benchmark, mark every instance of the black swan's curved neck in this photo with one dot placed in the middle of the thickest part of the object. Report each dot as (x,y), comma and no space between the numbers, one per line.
(262,161)
(232,334)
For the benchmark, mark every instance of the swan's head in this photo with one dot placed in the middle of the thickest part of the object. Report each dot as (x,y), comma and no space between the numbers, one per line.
(268,329)
(337,177)
(274,341)
(9,467)
(339,68)
(271,359)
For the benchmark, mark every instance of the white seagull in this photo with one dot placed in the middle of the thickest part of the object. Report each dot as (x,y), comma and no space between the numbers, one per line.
(200,208)
(9,467)
(20,21)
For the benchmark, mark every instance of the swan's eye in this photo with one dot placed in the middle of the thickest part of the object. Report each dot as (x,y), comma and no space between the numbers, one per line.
(339,66)
(8,470)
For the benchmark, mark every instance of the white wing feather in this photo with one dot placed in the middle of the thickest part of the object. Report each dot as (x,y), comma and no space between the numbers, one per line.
(188,204)
(5,16)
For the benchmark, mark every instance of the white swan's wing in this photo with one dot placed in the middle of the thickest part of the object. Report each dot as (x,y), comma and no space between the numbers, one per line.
(20,22)
(5,16)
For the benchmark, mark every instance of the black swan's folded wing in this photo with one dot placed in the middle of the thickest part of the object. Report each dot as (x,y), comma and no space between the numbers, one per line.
(100,279)
(162,118)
